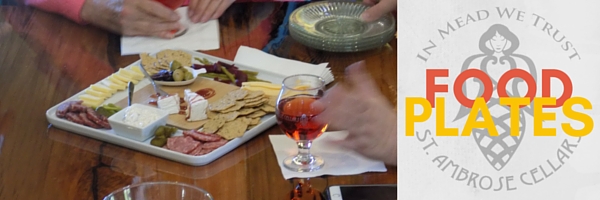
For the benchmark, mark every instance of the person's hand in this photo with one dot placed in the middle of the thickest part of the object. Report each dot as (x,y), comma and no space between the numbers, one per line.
(204,10)
(132,17)
(378,9)
(364,112)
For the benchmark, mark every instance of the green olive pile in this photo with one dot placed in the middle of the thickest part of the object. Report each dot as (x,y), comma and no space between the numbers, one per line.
(176,72)
(161,135)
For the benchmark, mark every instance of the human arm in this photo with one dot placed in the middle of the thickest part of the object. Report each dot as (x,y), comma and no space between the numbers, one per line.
(364,112)
(68,8)
(378,9)
(127,17)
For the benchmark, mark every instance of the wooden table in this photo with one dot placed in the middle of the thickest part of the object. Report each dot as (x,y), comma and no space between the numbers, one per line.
(45,59)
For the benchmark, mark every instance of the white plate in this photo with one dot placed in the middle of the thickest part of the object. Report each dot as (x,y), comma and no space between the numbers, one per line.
(195,72)
(111,137)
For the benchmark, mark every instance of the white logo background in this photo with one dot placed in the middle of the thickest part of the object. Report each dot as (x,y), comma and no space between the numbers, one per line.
(419,24)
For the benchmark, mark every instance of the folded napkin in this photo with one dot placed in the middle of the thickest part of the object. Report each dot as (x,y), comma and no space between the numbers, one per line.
(200,36)
(253,57)
(338,160)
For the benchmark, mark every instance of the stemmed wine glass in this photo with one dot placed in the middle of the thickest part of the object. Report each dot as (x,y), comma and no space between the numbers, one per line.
(295,111)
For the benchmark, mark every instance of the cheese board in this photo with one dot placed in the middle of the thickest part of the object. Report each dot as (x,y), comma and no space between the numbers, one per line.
(143,95)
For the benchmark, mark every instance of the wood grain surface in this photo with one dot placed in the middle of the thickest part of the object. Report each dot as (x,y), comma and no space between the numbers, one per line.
(44,59)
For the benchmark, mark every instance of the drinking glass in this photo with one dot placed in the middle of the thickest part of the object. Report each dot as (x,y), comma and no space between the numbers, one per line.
(159,191)
(173,5)
(295,111)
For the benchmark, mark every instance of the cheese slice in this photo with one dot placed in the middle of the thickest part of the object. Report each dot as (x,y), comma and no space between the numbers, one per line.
(117,81)
(113,85)
(262,84)
(91,104)
(91,101)
(131,74)
(137,69)
(96,93)
(270,92)
(125,79)
(103,88)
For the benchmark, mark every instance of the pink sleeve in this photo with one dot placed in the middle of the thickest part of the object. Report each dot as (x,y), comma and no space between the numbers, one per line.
(69,8)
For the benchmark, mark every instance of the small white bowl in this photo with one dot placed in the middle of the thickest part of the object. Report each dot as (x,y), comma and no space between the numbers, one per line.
(140,132)
(195,73)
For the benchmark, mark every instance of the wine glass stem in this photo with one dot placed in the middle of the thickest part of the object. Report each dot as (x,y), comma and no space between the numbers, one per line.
(304,155)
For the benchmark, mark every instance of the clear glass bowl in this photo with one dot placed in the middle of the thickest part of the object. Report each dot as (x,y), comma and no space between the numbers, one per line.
(336,26)
(159,190)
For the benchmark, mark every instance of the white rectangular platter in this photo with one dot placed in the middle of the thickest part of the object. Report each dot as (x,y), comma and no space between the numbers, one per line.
(111,137)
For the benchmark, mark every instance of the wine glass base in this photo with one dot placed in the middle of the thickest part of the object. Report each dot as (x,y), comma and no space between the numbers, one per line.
(297,164)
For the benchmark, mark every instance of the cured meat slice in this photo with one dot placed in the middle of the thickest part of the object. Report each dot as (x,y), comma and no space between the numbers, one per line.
(66,107)
(87,121)
(62,110)
(205,151)
(203,137)
(214,145)
(197,151)
(76,107)
(92,115)
(74,118)
(97,118)
(182,144)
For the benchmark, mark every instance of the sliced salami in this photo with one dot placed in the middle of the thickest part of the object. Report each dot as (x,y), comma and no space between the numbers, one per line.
(74,118)
(62,110)
(214,145)
(97,118)
(203,137)
(86,121)
(197,151)
(182,144)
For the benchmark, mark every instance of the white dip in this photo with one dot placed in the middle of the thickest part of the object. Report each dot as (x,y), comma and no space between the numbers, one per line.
(140,117)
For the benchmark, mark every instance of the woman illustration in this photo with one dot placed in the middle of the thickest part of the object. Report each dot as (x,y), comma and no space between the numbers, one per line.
(498,45)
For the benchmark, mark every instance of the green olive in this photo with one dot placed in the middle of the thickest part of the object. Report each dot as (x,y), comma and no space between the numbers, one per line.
(175,65)
(178,75)
(188,76)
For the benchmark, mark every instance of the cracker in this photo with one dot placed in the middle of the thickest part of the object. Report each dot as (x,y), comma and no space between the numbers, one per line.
(257,114)
(222,104)
(150,64)
(230,116)
(166,56)
(272,101)
(255,104)
(254,121)
(254,94)
(238,94)
(238,105)
(212,114)
(253,100)
(213,125)
(251,127)
(234,129)
(246,111)
(267,108)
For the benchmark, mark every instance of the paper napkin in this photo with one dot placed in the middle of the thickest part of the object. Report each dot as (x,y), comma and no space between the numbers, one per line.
(338,160)
(200,36)
(256,58)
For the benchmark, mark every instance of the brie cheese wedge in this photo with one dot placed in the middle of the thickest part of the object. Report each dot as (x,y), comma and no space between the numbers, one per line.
(197,105)
(169,103)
